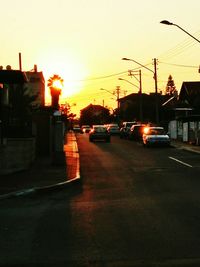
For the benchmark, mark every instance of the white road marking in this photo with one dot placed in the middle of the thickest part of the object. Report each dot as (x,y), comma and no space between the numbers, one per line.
(181,162)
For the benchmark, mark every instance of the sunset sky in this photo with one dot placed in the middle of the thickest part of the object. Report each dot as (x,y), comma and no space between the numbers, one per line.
(83,41)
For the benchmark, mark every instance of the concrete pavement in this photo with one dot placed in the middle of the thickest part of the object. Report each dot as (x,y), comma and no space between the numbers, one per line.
(43,175)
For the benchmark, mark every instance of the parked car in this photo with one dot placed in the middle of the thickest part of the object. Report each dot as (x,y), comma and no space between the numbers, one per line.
(85,128)
(124,130)
(155,136)
(77,129)
(99,132)
(113,129)
(136,132)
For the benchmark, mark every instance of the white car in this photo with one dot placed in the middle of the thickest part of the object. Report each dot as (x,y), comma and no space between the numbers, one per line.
(155,136)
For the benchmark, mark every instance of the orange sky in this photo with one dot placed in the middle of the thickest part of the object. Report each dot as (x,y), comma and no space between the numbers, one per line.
(83,41)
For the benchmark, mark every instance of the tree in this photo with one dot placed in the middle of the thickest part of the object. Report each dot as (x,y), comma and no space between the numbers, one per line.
(170,87)
(55,84)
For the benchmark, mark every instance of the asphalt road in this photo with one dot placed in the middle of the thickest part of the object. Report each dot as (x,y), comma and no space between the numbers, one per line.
(137,207)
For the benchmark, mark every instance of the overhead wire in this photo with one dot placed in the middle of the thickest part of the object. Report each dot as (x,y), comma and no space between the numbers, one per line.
(173,52)
(178,65)
(180,48)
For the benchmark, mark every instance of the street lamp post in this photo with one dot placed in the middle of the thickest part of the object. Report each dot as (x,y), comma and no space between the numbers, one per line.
(121,79)
(166,22)
(117,99)
(155,79)
(116,95)
(140,92)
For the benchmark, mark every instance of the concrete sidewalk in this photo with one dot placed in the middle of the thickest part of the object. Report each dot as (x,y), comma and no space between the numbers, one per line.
(185,146)
(43,175)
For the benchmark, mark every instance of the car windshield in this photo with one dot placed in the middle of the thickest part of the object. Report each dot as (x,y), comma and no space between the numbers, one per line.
(100,129)
(129,124)
(155,131)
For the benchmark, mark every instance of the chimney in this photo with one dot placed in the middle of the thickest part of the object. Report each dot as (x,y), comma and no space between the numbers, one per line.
(20,62)
(35,68)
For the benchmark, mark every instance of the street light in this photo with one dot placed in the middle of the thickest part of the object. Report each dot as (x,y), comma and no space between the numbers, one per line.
(128,59)
(115,94)
(166,22)
(121,79)
(155,79)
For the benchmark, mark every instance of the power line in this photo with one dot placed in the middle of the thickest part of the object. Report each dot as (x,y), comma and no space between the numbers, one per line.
(178,65)
(180,48)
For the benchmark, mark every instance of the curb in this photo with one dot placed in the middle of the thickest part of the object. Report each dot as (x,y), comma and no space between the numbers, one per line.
(42,190)
(182,147)
(190,149)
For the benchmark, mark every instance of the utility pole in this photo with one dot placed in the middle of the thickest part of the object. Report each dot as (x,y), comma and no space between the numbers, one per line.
(156,89)
(117,93)
(131,73)
(155,78)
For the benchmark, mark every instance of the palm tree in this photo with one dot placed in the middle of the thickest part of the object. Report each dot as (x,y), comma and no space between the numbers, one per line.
(55,84)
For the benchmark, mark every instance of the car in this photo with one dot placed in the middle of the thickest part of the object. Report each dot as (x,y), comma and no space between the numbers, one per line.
(113,129)
(77,129)
(136,132)
(85,128)
(99,132)
(155,136)
(124,130)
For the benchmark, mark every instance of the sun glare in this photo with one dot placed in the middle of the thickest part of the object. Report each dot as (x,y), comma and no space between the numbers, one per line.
(58,84)
(72,72)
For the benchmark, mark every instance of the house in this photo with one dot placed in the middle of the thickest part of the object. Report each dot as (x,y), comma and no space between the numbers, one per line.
(9,81)
(94,114)
(190,95)
(142,107)
(36,86)
(185,125)
(33,83)
(20,92)
(16,153)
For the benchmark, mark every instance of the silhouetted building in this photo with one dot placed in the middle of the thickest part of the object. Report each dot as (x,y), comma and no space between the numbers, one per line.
(36,86)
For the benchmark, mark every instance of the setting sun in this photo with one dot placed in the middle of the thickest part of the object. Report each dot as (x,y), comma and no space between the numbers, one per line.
(68,67)
(58,84)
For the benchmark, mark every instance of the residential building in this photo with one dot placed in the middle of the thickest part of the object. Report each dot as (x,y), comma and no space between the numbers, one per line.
(134,105)
(36,86)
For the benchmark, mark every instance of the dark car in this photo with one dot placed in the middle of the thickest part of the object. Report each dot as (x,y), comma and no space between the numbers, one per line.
(85,128)
(136,132)
(126,126)
(99,132)
(77,129)
(113,129)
